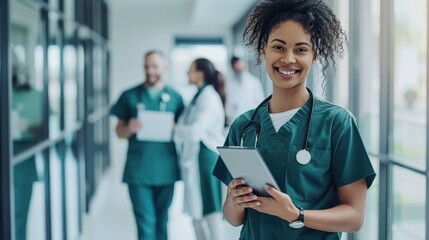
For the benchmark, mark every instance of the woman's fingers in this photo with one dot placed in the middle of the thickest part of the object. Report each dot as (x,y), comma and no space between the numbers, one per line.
(241,194)
(235,183)
(247,201)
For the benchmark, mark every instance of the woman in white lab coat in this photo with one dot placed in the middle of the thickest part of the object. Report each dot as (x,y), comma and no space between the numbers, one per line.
(198,132)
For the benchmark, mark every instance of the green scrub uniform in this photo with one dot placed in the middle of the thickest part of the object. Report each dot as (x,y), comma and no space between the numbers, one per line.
(151,168)
(25,175)
(338,158)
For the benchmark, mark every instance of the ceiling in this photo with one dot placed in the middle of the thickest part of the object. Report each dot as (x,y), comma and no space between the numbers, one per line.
(213,13)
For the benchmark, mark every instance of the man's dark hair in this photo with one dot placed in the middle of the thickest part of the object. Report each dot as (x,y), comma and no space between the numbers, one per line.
(234,59)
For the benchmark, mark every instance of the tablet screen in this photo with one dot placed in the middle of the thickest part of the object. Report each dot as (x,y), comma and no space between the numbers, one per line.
(247,163)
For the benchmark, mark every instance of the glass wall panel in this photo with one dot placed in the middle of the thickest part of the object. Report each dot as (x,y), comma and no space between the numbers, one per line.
(27,58)
(80,80)
(72,190)
(97,76)
(340,83)
(54,4)
(408,205)
(70,77)
(369,229)
(369,112)
(56,194)
(29,197)
(54,68)
(69,9)
(409,96)
(26,45)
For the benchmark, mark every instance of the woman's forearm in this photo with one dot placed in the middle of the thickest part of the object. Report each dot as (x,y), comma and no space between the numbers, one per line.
(348,216)
(342,218)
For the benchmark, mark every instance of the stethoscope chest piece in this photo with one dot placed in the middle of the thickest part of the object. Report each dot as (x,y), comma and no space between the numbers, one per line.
(303,157)
(165,97)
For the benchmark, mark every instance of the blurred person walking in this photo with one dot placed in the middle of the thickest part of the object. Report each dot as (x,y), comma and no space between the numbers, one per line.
(198,132)
(151,167)
(244,90)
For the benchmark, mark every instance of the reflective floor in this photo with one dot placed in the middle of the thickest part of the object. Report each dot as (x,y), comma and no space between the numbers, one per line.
(111,217)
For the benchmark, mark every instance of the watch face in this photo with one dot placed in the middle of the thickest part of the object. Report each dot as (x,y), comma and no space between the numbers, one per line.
(296,224)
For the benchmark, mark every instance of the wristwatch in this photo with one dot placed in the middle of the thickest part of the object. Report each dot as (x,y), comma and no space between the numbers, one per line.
(299,222)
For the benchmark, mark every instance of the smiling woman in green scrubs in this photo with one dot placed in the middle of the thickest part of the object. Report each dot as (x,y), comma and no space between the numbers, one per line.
(151,168)
(312,147)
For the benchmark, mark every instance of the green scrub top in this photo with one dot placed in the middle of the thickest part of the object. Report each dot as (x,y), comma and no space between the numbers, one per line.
(338,158)
(149,163)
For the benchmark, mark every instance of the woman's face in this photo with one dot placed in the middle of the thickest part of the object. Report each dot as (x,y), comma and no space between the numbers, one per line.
(289,55)
(195,77)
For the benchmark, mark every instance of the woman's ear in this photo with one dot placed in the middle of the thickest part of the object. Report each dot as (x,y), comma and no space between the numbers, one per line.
(314,56)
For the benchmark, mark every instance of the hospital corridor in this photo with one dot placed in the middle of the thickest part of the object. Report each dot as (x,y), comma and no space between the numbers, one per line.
(214,120)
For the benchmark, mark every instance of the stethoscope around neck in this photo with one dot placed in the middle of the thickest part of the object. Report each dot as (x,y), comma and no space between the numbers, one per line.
(303,156)
(192,103)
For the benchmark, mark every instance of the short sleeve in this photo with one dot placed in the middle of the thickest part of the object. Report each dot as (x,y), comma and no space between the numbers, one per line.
(121,109)
(350,160)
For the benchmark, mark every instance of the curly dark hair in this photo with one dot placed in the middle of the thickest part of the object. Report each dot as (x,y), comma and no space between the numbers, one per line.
(327,36)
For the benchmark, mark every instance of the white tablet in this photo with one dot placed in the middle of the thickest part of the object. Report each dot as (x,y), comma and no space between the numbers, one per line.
(247,163)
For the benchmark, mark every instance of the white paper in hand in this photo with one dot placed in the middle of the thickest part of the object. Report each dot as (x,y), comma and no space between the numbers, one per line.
(157,126)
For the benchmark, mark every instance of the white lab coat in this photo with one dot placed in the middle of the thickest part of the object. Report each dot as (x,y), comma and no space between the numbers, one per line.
(243,93)
(203,121)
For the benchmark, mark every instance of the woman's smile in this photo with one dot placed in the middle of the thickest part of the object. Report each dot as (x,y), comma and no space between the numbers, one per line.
(287,73)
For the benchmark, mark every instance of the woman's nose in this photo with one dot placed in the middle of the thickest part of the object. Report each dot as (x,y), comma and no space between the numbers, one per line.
(288,57)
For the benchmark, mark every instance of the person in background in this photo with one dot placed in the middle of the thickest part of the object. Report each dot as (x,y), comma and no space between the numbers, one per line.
(244,90)
(198,132)
(151,168)
(313,148)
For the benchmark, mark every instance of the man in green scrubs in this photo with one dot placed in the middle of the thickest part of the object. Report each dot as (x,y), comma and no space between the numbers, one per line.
(151,168)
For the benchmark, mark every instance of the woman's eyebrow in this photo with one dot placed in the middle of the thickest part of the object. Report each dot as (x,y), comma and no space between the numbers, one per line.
(278,40)
(284,42)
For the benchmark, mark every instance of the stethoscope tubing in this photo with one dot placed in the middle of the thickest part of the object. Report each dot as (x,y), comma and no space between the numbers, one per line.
(303,156)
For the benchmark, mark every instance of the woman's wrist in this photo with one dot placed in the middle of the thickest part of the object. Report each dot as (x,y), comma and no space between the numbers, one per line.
(291,213)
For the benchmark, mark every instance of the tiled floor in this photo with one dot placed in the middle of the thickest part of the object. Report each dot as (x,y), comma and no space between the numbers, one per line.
(111,217)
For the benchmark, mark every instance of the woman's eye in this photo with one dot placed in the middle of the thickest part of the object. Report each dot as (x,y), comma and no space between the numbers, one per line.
(302,50)
(278,48)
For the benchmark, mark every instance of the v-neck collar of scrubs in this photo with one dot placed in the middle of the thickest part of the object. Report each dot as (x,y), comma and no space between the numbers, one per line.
(299,117)
(152,92)
(151,101)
